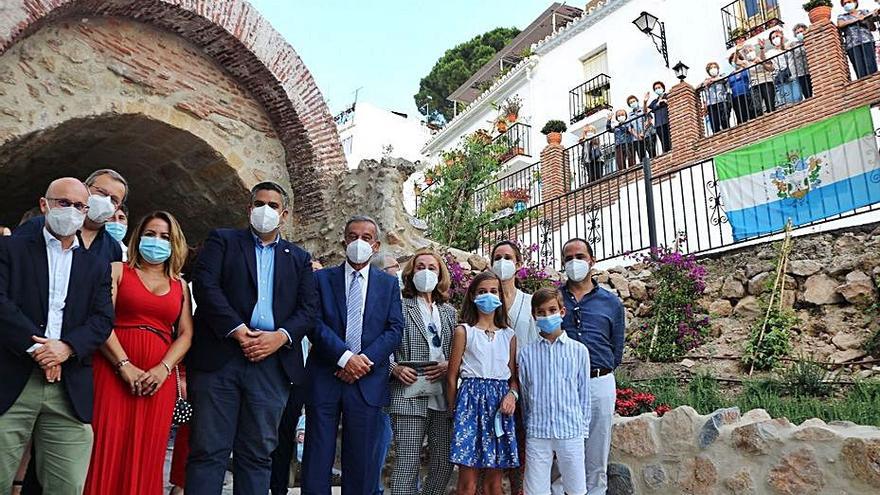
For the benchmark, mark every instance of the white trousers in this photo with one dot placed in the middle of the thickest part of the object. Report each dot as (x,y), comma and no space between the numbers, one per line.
(603,394)
(569,461)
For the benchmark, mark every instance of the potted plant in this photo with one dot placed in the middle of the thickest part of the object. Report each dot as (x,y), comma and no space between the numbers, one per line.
(518,197)
(818,10)
(512,107)
(501,124)
(739,33)
(482,136)
(553,129)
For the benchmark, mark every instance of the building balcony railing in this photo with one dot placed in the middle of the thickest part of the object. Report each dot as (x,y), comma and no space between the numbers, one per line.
(763,88)
(589,98)
(515,141)
(862,47)
(748,18)
(513,192)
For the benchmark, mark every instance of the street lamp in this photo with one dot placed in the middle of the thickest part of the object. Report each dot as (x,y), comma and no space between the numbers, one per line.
(646,23)
(681,70)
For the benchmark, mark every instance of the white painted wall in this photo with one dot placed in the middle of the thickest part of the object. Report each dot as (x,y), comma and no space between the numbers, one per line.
(372,128)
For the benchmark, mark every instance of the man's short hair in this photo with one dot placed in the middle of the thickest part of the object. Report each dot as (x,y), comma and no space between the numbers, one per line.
(271,186)
(578,239)
(90,180)
(544,294)
(359,219)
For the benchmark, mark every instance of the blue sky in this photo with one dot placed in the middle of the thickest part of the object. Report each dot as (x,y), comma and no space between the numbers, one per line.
(384,46)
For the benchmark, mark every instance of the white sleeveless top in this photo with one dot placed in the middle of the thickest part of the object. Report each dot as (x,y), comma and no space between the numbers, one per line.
(484,358)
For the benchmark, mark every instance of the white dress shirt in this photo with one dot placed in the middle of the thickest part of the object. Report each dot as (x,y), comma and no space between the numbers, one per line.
(365,282)
(59,260)
(432,315)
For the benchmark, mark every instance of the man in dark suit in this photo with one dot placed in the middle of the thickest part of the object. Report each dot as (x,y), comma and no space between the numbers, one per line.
(108,191)
(255,300)
(55,311)
(360,324)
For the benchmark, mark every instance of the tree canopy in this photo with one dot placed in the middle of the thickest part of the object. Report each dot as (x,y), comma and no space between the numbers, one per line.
(456,66)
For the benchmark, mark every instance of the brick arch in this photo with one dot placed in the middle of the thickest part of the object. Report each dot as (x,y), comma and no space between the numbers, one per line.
(244,43)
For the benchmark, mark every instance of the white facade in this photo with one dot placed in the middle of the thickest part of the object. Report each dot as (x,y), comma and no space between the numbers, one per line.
(695,36)
(372,132)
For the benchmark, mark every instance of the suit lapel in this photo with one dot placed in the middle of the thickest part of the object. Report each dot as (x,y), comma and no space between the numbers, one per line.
(337,281)
(75,275)
(282,271)
(246,242)
(41,271)
(374,294)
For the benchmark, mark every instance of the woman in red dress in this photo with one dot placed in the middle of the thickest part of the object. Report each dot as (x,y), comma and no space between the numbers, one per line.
(134,397)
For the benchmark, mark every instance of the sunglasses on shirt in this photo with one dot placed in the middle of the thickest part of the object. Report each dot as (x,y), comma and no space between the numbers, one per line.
(435,339)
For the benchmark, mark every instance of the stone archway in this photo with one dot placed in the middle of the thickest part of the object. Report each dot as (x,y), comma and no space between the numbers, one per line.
(214,69)
(169,168)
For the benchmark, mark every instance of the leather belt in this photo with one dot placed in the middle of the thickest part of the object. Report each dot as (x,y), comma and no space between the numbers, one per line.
(597,372)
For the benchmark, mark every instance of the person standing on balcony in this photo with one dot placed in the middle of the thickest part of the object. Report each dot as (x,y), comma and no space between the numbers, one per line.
(761,79)
(592,163)
(659,107)
(594,317)
(623,138)
(640,126)
(800,69)
(740,88)
(783,58)
(717,98)
(856,25)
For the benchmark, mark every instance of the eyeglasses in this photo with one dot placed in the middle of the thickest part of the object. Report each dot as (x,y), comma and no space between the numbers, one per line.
(435,340)
(66,203)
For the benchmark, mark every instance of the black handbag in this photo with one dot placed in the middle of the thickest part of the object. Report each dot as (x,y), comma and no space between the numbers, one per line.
(183,410)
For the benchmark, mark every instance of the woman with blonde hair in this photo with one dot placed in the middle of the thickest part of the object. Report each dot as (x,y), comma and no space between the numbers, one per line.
(134,398)
(418,404)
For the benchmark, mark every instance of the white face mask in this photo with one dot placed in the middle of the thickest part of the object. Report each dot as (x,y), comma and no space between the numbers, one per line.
(101,208)
(577,270)
(621,119)
(65,221)
(713,72)
(505,269)
(264,219)
(751,56)
(425,280)
(359,251)
(776,40)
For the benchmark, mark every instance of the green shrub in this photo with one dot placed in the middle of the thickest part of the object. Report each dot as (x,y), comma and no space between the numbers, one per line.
(554,126)
(764,352)
(806,378)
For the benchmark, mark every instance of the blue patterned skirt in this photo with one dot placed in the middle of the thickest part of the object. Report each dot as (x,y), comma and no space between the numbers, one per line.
(474,441)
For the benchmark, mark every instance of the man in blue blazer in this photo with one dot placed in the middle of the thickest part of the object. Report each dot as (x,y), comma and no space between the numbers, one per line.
(55,311)
(360,323)
(255,300)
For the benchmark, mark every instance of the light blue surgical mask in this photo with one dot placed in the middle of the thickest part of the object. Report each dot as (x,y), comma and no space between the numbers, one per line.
(849,7)
(634,105)
(487,303)
(499,425)
(659,91)
(799,36)
(116,230)
(154,250)
(549,324)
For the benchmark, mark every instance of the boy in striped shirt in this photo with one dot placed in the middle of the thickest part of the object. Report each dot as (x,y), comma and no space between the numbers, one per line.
(554,375)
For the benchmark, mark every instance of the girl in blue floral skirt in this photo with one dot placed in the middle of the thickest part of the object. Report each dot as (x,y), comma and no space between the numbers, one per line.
(484,356)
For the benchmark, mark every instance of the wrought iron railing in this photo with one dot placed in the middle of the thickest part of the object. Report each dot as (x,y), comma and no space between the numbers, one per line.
(863,57)
(690,207)
(513,192)
(770,84)
(748,18)
(515,141)
(589,98)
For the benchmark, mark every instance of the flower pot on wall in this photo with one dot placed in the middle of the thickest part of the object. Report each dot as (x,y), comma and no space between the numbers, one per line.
(819,14)
(554,138)
(511,117)
(501,126)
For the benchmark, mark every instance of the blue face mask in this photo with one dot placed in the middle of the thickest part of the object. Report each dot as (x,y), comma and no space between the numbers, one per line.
(549,324)
(116,230)
(487,303)
(849,7)
(154,250)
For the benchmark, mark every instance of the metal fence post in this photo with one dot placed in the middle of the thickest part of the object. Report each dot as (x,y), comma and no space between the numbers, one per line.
(649,202)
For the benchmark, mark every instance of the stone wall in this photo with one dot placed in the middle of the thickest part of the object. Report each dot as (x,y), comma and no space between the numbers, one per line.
(830,283)
(729,453)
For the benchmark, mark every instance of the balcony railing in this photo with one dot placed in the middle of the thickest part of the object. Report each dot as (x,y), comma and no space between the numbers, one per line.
(589,98)
(519,190)
(748,18)
(763,88)
(515,140)
(863,50)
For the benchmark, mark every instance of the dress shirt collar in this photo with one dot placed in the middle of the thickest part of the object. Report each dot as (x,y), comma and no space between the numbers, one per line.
(51,241)
(259,241)
(365,271)
(562,339)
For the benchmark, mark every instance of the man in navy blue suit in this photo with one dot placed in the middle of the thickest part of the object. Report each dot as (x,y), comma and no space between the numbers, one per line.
(360,323)
(55,311)
(108,191)
(256,299)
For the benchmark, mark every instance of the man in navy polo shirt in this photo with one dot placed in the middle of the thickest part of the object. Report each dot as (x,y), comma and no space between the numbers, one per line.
(594,317)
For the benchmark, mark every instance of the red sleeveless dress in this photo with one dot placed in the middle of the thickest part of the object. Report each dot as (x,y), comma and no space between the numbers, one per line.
(131,432)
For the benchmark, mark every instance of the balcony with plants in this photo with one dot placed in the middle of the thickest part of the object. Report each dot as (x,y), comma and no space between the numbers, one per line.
(744,19)
(589,98)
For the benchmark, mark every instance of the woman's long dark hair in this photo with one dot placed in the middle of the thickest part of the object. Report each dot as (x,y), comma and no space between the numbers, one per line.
(469,312)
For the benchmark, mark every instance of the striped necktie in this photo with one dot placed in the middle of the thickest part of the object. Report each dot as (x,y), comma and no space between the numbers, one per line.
(355,315)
